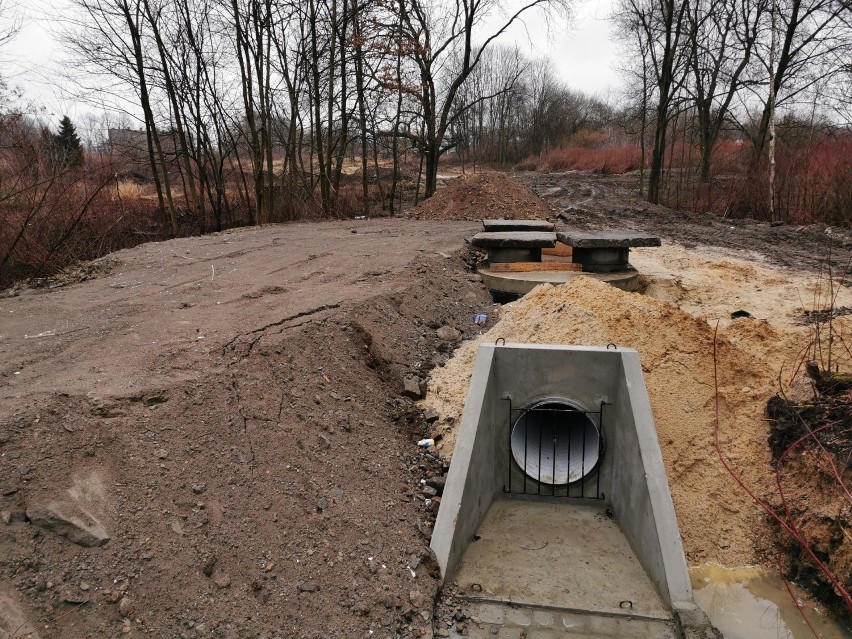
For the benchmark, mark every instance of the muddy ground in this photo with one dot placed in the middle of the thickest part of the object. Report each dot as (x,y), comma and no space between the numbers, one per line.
(600,202)
(229,412)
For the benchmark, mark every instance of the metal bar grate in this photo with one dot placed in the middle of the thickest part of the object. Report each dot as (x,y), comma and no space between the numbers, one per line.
(554,449)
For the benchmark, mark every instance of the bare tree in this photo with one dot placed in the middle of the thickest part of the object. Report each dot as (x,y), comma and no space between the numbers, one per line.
(108,37)
(444,33)
(661,26)
(9,26)
(490,102)
(722,38)
(811,36)
(251,23)
(154,15)
(11,22)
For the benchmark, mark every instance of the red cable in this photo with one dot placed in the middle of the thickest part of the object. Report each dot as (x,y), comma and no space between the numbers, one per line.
(791,530)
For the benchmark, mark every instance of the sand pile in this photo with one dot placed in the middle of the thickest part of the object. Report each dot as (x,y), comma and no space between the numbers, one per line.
(483,195)
(718,521)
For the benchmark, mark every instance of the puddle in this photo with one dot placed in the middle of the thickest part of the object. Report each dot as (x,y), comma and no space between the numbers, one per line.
(751,603)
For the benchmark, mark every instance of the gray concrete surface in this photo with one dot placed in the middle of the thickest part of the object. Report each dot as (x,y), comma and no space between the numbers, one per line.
(639,493)
(631,476)
(473,478)
(556,556)
(611,239)
(514,239)
(517,225)
(495,621)
(522,283)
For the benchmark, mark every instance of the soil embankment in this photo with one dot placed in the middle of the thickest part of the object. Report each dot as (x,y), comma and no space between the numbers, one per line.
(221,418)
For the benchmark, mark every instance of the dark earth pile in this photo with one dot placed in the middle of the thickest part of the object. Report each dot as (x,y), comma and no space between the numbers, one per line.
(280,494)
(811,445)
(478,196)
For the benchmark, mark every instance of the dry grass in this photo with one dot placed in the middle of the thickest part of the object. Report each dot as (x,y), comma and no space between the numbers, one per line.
(605,159)
(128,190)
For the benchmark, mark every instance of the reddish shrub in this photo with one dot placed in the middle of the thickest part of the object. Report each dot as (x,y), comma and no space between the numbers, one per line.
(608,159)
(526,165)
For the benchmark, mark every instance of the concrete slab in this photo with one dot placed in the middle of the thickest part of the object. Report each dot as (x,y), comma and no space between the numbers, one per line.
(542,623)
(502,226)
(567,557)
(514,239)
(608,239)
(564,554)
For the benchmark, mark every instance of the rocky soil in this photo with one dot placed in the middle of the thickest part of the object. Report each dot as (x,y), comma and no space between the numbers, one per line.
(172,468)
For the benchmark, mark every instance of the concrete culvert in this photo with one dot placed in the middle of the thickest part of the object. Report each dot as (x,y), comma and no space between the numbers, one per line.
(555,442)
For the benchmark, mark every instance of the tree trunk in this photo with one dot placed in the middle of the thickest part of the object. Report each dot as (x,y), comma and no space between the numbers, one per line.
(172,95)
(362,107)
(705,139)
(430,159)
(155,149)
(776,79)
(655,175)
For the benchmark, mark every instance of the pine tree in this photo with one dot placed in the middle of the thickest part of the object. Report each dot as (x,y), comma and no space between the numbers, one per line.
(69,143)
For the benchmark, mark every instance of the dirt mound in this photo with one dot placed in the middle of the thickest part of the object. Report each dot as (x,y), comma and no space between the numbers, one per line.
(676,349)
(815,498)
(477,196)
(72,274)
(686,293)
(603,202)
(275,493)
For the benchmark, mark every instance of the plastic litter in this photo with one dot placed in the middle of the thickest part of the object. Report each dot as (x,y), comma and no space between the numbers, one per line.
(480,318)
(426,443)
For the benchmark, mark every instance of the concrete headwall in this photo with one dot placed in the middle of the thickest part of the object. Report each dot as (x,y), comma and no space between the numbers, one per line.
(631,474)
(472,481)
(640,497)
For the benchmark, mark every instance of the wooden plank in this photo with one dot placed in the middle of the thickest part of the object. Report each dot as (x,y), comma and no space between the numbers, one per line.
(560,250)
(520,267)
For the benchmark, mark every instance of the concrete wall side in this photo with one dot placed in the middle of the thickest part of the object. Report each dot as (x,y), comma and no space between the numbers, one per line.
(662,512)
(470,482)
(530,372)
(631,501)
(536,371)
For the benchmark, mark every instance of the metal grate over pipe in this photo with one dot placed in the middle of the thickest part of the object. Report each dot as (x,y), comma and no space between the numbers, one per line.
(557,447)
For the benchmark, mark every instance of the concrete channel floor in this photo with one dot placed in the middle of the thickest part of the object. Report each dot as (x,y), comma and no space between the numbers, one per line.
(544,569)
(501,621)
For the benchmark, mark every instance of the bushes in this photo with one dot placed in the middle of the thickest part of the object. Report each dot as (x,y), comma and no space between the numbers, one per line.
(607,159)
(813,183)
(813,175)
(68,217)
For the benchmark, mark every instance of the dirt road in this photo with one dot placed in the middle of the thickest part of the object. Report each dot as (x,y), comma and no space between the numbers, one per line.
(227,411)
(166,310)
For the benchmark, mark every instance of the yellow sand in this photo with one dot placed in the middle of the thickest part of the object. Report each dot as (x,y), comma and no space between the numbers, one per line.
(671,325)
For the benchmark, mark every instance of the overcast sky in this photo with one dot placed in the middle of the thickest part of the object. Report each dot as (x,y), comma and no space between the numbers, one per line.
(584,53)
